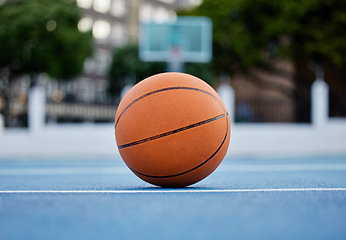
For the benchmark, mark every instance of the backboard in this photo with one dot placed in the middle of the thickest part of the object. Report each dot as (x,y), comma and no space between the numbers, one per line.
(186,39)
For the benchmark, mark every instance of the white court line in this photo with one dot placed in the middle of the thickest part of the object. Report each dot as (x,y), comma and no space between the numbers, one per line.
(128,191)
(283,167)
(64,171)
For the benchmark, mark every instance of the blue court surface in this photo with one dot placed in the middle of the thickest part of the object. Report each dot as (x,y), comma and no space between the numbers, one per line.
(245,198)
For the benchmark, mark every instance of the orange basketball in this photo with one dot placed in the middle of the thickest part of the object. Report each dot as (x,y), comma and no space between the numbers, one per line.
(172,129)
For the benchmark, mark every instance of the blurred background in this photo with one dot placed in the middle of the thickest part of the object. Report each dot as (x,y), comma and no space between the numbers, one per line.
(84,53)
(278,65)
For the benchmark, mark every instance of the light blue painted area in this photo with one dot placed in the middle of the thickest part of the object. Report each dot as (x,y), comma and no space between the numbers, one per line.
(197,214)
(191,36)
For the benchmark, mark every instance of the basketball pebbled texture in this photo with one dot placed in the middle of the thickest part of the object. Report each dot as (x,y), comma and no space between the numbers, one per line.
(172,129)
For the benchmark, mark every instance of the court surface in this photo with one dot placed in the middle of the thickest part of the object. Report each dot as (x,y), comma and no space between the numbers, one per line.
(245,198)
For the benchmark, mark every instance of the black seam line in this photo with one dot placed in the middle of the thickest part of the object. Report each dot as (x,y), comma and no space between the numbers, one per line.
(172,132)
(192,169)
(162,90)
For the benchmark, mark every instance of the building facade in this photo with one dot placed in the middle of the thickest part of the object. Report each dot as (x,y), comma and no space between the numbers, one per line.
(113,23)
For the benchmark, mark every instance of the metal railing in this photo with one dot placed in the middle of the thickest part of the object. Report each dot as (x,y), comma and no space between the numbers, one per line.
(79,112)
(264,110)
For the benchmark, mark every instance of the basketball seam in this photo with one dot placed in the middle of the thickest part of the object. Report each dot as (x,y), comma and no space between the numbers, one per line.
(161,135)
(162,90)
(225,114)
(192,169)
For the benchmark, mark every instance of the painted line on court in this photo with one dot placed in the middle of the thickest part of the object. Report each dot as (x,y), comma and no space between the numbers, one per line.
(129,191)
(64,171)
(283,167)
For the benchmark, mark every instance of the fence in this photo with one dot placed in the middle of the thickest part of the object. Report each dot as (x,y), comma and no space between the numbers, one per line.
(251,110)
(324,136)
(337,103)
(319,107)
(79,112)
(264,110)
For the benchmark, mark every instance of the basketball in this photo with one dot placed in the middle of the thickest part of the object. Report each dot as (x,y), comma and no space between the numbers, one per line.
(172,129)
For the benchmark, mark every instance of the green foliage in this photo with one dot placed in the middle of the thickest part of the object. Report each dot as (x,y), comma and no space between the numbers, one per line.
(236,43)
(42,36)
(203,71)
(319,27)
(250,33)
(126,66)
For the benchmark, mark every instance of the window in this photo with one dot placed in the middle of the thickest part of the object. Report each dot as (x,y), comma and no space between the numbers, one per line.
(85,24)
(84,92)
(118,35)
(145,13)
(102,6)
(101,29)
(196,2)
(89,65)
(101,94)
(118,8)
(168,1)
(160,15)
(84,3)
(192,3)
(102,60)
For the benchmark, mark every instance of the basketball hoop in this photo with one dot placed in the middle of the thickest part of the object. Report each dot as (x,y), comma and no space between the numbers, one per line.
(187,39)
(175,61)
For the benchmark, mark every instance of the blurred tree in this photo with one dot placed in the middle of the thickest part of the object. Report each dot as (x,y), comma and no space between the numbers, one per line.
(204,71)
(126,67)
(40,36)
(252,34)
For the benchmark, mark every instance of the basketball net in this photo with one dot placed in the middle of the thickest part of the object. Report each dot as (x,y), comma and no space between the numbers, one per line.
(175,61)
